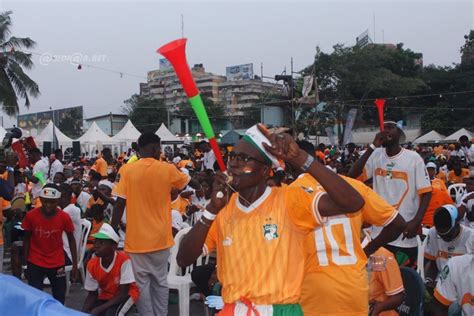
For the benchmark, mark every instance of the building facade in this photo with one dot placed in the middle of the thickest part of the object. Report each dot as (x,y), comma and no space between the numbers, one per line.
(240,98)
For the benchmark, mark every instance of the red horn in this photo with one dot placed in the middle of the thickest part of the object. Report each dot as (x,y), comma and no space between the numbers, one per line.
(175,52)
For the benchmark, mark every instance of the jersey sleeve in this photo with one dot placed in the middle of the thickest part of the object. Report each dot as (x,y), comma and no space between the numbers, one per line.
(391,278)
(178,179)
(120,189)
(90,284)
(210,244)
(303,209)
(445,291)
(68,225)
(126,272)
(376,210)
(26,223)
(422,179)
(430,249)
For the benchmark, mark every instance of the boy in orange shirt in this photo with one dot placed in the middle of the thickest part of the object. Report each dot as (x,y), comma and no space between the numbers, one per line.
(385,285)
(109,277)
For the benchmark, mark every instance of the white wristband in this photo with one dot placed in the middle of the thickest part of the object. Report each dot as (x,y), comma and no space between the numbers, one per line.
(208,215)
(372,146)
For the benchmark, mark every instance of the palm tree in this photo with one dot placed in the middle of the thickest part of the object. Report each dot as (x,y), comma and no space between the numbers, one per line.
(14,83)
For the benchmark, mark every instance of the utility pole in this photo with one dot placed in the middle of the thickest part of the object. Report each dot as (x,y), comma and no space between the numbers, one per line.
(111,125)
(54,145)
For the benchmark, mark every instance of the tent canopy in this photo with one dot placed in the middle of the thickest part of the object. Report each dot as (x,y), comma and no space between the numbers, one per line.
(94,135)
(127,134)
(46,135)
(431,137)
(455,136)
(166,136)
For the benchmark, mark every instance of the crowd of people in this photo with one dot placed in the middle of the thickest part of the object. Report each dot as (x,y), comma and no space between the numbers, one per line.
(290,228)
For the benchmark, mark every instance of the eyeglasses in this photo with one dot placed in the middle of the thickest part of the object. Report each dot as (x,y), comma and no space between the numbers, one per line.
(243,158)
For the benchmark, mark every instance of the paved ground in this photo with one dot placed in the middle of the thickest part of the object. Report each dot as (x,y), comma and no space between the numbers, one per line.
(77,295)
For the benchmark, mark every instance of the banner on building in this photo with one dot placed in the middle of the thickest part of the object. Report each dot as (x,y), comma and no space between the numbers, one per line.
(351,116)
(239,72)
(307,85)
(363,39)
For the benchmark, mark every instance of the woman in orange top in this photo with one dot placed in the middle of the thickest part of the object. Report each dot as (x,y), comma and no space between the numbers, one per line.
(458,173)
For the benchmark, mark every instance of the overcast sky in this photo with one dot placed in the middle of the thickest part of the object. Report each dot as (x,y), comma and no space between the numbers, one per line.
(124,36)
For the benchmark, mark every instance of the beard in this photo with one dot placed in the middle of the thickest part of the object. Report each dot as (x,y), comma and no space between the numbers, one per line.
(388,143)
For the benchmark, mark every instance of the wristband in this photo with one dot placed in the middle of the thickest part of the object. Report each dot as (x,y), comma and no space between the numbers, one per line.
(10,169)
(307,163)
(208,215)
(372,146)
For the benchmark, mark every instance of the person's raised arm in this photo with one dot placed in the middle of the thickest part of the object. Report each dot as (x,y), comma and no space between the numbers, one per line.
(193,242)
(358,167)
(285,148)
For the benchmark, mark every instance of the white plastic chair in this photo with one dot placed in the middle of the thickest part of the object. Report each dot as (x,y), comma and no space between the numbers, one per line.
(457,190)
(85,230)
(178,281)
(420,262)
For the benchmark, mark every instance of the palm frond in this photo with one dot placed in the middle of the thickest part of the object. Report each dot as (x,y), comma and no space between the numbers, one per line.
(22,82)
(5,24)
(8,98)
(18,43)
(23,59)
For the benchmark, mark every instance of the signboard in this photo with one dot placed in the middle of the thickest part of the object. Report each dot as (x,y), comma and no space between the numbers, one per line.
(68,120)
(363,39)
(165,65)
(239,72)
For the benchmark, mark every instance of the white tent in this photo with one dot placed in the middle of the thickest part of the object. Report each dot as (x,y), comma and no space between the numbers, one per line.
(2,133)
(128,134)
(455,136)
(46,135)
(431,137)
(94,139)
(166,136)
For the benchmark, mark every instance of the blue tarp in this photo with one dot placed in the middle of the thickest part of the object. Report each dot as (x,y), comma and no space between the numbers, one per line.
(18,299)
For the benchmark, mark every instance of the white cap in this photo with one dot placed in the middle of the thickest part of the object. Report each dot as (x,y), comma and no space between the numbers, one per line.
(176,159)
(431,165)
(107,232)
(106,183)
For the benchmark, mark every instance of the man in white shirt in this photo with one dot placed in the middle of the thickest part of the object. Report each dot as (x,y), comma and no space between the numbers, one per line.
(209,158)
(56,164)
(400,177)
(465,203)
(40,171)
(467,151)
(456,285)
(75,214)
(447,239)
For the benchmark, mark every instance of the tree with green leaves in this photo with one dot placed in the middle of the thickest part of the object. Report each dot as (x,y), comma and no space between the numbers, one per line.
(14,82)
(214,110)
(146,114)
(348,75)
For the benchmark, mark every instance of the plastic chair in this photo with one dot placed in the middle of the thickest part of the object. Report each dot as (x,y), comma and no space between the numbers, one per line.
(85,230)
(176,279)
(420,261)
(412,304)
(457,190)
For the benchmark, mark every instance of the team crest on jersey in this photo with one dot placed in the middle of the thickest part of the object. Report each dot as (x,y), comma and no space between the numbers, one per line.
(308,189)
(270,231)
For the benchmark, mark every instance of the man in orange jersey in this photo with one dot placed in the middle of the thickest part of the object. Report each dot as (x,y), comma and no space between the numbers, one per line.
(335,261)
(439,195)
(144,187)
(259,231)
